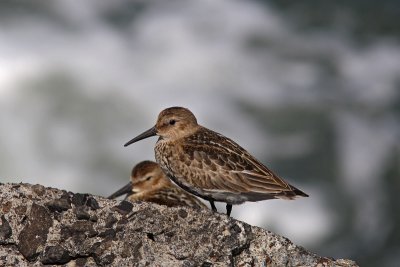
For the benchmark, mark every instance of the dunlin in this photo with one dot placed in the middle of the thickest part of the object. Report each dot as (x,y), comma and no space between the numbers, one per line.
(149,183)
(210,165)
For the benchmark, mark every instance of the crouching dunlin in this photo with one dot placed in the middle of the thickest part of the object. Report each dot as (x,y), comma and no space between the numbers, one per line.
(149,183)
(210,165)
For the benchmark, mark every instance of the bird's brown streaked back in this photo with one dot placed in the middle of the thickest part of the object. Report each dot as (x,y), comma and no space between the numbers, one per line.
(210,165)
(149,183)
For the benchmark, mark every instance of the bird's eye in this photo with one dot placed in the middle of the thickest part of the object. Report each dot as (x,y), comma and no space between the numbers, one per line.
(172,122)
(148,178)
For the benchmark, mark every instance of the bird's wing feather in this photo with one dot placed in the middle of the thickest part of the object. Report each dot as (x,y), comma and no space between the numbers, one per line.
(222,165)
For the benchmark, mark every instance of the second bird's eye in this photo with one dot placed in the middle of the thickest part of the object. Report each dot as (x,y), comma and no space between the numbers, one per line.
(172,122)
(148,178)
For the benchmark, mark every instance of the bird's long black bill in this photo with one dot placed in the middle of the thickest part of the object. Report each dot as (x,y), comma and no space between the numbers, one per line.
(150,132)
(127,189)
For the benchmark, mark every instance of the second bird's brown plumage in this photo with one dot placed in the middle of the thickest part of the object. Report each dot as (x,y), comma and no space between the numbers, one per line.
(210,165)
(149,183)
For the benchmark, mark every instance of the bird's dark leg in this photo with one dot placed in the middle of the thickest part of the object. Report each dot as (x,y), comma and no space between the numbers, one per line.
(214,209)
(228,209)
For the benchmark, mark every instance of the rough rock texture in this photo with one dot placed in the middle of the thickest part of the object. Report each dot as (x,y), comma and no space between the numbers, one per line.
(46,226)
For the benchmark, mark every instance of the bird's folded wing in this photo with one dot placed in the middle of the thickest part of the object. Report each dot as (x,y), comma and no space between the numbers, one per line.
(228,167)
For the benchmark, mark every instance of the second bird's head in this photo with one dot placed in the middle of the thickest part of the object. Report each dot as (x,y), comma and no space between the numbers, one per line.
(172,123)
(146,177)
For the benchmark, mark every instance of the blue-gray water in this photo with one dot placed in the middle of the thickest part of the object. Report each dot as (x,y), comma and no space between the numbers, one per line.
(317,102)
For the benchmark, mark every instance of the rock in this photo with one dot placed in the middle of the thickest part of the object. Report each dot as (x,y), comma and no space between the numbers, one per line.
(5,230)
(124,207)
(84,199)
(55,255)
(110,221)
(33,235)
(58,205)
(92,203)
(79,199)
(42,225)
(82,213)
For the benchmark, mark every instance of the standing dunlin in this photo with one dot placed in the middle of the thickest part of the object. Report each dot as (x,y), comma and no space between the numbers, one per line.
(149,183)
(210,165)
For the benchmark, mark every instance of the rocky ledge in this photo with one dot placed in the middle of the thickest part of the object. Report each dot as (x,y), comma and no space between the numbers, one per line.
(46,226)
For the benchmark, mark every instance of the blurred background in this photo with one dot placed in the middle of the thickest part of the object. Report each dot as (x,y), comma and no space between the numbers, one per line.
(311,88)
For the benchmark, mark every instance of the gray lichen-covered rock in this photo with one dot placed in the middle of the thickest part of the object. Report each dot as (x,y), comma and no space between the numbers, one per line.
(46,226)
